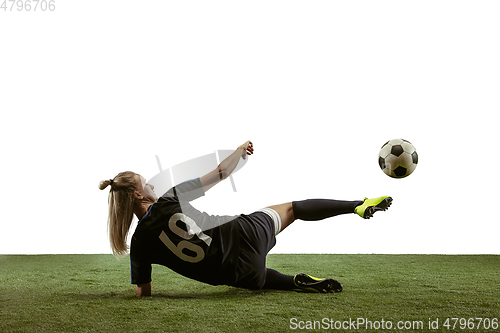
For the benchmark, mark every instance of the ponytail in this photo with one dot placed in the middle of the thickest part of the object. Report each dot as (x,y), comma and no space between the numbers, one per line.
(121,209)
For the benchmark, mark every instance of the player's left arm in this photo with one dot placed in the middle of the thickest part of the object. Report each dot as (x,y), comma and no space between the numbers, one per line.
(226,167)
(143,289)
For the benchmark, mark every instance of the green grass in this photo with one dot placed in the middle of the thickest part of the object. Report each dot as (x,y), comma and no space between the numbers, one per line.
(92,293)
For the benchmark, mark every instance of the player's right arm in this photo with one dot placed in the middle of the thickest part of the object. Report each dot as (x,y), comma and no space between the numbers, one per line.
(226,167)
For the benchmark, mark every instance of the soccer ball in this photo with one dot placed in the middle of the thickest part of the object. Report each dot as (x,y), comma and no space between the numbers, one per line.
(398,158)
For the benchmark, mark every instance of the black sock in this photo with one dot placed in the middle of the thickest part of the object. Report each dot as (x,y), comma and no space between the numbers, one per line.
(319,209)
(276,280)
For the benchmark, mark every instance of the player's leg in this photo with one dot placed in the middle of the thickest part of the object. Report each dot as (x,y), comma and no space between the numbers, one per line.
(319,209)
(312,210)
(285,212)
(278,281)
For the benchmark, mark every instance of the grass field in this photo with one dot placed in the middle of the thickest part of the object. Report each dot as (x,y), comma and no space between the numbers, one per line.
(92,293)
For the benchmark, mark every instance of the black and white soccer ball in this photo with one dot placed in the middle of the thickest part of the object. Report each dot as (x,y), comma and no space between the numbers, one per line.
(398,158)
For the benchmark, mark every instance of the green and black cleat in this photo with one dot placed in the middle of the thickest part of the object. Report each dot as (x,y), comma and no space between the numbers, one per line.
(314,285)
(370,206)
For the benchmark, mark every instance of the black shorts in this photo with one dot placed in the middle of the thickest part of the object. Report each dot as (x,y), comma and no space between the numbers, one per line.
(257,238)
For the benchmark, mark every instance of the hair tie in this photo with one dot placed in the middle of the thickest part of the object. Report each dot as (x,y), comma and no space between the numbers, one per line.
(111,182)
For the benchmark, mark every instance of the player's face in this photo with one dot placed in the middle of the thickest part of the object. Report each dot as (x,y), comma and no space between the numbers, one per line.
(148,189)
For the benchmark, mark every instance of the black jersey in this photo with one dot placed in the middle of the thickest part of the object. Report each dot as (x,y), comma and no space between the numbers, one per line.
(192,243)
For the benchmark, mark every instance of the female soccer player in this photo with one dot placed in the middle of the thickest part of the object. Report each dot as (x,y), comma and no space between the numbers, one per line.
(208,248)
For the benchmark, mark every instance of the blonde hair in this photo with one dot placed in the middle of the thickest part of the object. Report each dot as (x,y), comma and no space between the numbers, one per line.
(121,209)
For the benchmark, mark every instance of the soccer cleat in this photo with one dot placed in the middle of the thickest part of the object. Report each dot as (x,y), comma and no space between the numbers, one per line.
(370,206)
(311,284)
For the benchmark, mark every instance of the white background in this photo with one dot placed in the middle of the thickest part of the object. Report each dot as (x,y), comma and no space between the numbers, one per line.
(98,87)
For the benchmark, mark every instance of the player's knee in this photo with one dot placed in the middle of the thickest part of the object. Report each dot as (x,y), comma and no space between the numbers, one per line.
(291,212)
(287,215)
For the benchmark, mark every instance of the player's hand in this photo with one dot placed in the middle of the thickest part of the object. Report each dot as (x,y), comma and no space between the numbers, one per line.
(247,148)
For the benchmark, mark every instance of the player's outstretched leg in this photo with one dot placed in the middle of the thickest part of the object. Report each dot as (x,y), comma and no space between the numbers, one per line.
(370,206)
(319,209)
(316,285)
